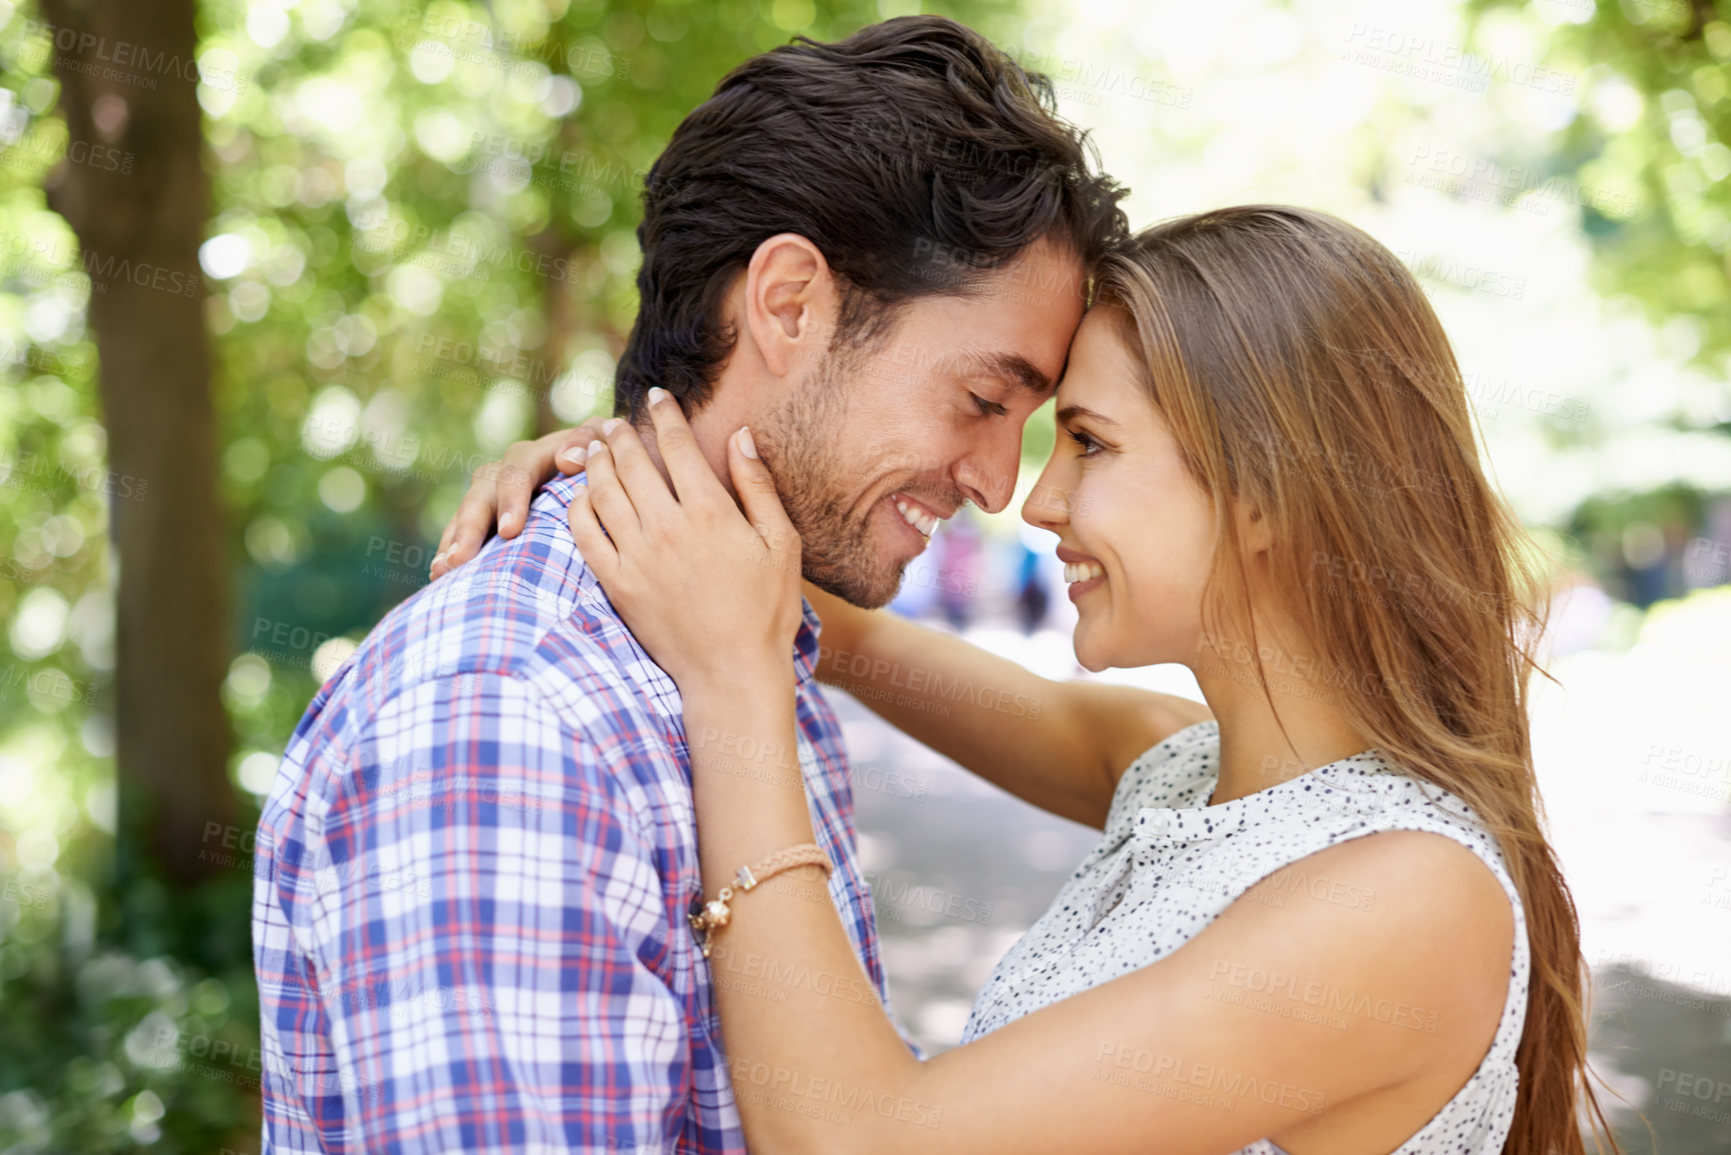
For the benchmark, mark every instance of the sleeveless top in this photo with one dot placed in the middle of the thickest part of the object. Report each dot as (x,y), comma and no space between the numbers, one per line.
(1168,864)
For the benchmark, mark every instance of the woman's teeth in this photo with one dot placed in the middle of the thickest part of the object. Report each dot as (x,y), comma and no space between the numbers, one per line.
(917,517)
(1081,571)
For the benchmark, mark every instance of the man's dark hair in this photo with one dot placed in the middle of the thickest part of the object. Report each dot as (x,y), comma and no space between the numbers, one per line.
(914,154)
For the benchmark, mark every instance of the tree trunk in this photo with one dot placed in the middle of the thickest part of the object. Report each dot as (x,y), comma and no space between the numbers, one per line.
(565,314)
(129,84)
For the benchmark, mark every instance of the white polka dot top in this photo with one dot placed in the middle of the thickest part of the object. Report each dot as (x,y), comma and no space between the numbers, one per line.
(1168,865)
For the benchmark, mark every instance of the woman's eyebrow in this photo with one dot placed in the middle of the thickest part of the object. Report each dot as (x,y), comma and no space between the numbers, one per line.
(1071,412)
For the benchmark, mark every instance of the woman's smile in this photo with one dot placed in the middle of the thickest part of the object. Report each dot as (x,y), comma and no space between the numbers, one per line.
(1082,572)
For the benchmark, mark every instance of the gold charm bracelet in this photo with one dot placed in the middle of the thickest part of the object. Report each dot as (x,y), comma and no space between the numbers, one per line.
(716,913)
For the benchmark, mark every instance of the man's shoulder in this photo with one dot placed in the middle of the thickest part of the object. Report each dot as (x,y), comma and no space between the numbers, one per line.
(527,609)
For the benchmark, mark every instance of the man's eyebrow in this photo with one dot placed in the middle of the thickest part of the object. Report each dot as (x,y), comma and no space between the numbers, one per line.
(1014,367)
(1071,412)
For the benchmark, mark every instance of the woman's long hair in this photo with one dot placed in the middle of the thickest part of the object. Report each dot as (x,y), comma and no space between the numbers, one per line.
(1300,367)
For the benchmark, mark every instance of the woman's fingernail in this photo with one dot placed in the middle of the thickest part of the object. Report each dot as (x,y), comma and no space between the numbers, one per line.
(597,446)
(657,394)
(507,520)
(575,454)
(609,425)
(746,445)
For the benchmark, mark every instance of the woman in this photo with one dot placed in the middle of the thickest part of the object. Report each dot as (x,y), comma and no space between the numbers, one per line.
(1266,472)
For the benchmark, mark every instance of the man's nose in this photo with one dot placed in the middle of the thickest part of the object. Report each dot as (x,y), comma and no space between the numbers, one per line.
(989,477)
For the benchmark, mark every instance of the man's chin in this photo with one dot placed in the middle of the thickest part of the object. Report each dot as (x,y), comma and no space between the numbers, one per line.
(868,591)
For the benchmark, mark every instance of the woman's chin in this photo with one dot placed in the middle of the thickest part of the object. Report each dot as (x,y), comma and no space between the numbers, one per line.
(1089,657)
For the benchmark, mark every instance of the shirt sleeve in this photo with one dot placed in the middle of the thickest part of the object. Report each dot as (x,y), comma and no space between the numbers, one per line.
(485,906)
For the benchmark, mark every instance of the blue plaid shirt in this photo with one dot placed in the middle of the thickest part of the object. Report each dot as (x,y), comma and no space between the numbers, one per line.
(473,874)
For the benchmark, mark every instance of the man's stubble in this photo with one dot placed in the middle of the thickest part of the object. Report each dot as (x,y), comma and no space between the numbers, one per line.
(803,443)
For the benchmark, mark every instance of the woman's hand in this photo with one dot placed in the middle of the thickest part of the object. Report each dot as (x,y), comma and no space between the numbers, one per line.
(500,491)
(711,593)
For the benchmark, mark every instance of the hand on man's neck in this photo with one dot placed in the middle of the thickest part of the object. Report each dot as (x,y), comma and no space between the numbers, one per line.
(711,425)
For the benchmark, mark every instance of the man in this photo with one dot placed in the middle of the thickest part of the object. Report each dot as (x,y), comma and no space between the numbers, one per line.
(477,860)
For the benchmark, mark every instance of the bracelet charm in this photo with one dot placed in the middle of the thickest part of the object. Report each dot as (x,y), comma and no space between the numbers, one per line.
(716,913)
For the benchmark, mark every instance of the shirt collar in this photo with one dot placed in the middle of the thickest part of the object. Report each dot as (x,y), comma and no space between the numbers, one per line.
(558,493)
(805,645)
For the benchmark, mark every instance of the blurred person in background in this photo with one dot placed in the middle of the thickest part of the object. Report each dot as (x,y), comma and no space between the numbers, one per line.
(1032,597)
(960,558)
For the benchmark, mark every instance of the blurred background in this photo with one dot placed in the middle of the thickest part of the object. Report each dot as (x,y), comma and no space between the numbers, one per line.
(276,276)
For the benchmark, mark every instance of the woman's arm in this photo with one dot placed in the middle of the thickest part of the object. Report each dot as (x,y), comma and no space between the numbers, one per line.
(1326,1026)
(1321,1025)
(1059,745)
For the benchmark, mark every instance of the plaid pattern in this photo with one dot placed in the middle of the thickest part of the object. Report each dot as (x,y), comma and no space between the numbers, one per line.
(473,873)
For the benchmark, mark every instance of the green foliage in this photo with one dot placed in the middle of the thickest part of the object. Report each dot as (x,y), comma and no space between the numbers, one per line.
(148,1041)
(1650,153)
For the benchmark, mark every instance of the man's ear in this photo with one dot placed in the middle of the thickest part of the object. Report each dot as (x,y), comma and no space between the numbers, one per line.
(791,303)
